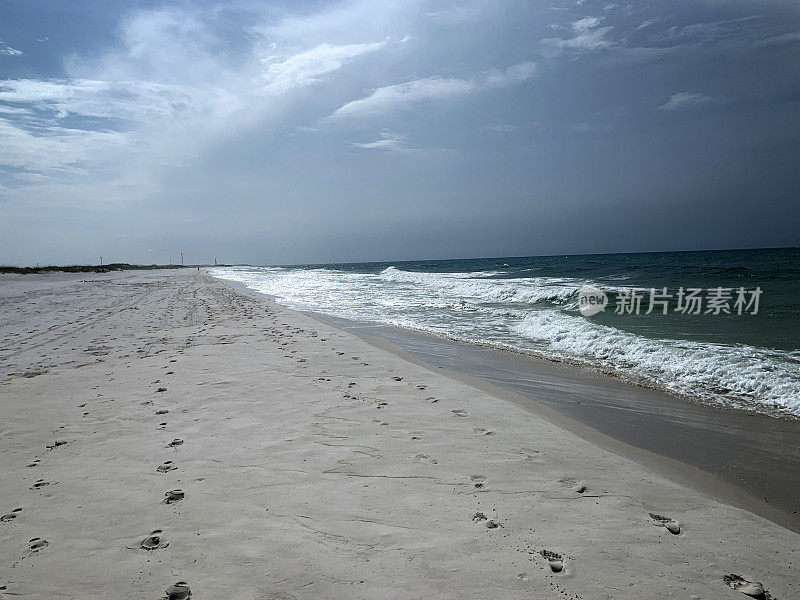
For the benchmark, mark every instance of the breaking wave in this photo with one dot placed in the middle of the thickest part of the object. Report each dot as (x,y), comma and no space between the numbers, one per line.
(538,315)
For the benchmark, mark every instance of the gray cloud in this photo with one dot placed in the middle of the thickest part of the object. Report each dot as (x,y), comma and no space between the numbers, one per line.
(394,142)
(707,32)
(586,36)
(402,95)
(340,130)
(7,50)
(684,100)
(786,38)
(305,68)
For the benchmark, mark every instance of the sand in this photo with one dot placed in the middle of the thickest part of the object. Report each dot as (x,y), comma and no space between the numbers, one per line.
(161,427)
(745,459)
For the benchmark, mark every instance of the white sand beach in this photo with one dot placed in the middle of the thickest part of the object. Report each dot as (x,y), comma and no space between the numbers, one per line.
(307,463)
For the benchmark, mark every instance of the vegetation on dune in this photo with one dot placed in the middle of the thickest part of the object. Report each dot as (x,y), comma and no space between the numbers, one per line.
(86,268)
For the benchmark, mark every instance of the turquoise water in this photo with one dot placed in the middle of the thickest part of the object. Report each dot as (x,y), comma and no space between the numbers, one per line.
(530,304)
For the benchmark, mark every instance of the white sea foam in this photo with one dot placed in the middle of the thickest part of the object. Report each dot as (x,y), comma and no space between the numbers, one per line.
(481,287)
(537,315)
(741,376)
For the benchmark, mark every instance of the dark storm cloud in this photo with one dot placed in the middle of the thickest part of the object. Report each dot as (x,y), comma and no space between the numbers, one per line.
(326,131)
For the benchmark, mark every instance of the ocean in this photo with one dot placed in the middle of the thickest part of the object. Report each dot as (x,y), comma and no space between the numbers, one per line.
(730,336)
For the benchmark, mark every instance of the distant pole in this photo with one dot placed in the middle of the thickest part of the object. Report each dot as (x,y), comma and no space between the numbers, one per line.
(101,261)
(181,258)
(215,262)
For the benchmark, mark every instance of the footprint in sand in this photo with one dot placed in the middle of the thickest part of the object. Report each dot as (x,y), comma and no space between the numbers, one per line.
(382,404)
(459,412)
(478,481)
(425,458)
(56,444)
(576,485)
(154,541)
(397,378)
(482,431)
(178,591)
(670,525)
(173,496)
(37,544)
(166,466)
(11,516)
(175,442)
(162,411)
(555,560)
(750,588)
(480,517)
(161,426)
(35,463)
(422,387)
(40,483)
(160,390)
(431,400)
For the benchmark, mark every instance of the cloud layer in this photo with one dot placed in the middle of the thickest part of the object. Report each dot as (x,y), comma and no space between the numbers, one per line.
(306,68)
(684,100)
(404,95)
(7,50)
(298,117)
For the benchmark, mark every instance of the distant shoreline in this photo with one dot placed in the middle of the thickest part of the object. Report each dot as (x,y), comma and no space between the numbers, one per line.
(93,268)
(395,261)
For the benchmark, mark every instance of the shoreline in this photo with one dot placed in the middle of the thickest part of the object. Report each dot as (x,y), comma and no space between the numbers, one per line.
(314,464)
(530,307)
(731,471)
(586,368)
(678,471)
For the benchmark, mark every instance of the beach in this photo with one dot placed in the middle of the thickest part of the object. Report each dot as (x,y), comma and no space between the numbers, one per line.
(162,427)
(741,458)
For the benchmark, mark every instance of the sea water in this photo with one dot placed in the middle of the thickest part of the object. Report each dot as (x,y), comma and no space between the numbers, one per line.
(750,361)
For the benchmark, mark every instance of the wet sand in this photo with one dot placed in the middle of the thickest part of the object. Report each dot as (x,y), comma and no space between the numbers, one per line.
(746,459)
(162,427)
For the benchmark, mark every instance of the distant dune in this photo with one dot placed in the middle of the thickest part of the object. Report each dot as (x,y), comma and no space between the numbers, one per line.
(92,268)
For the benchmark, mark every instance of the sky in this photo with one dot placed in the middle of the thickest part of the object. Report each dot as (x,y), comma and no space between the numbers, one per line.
(361,130)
